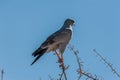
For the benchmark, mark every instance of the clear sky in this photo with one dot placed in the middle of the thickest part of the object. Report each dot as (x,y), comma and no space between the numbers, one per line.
(25,24)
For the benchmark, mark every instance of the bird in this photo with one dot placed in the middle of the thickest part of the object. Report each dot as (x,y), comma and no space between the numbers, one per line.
(56,42)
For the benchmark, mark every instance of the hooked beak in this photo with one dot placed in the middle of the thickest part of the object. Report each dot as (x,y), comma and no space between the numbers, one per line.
(73,24)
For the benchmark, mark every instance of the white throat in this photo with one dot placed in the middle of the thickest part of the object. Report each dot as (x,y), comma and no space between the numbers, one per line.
(70,28)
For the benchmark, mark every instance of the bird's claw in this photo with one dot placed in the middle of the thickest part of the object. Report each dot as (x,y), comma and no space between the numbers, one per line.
(60,60)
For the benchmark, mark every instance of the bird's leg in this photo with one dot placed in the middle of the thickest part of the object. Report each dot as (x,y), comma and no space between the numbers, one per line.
(60,59)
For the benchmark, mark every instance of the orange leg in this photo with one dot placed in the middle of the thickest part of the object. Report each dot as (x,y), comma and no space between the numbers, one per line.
(60,59)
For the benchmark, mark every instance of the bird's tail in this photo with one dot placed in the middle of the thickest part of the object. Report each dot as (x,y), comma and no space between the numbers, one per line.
(38,53)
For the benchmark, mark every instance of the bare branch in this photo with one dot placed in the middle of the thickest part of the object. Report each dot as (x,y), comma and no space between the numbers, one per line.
(107,63)
(80,71)
(63,73)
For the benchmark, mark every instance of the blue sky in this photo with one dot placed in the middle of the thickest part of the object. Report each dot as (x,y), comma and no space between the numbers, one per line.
(25,24)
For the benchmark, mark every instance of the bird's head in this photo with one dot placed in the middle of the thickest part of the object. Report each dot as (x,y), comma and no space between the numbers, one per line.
(69,23)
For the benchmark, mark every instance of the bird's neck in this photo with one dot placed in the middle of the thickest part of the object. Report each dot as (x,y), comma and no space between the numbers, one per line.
(69,28)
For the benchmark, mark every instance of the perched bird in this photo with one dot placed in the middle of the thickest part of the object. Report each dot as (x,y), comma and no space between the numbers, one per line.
(56,41)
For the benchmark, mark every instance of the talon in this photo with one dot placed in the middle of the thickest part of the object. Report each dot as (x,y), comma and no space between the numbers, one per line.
(62,66)
(60,60)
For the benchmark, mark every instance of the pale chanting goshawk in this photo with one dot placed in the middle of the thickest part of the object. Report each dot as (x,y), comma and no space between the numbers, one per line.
(57,41)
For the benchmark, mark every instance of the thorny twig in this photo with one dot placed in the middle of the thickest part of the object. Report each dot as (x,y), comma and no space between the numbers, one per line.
(107,63)
(78,59)
(63,73)
(80,70)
